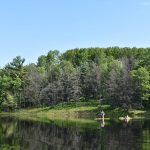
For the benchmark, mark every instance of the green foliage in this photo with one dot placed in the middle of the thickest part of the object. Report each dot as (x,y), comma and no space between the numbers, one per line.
(11,83)
(9,104)
(141,79)
(5,85)
(69,105)
(117,75)
(41,61)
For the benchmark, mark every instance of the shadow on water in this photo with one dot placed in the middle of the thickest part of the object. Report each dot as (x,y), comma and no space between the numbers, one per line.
(65,135)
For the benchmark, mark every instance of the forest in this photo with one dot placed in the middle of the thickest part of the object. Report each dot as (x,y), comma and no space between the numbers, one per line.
(118,76)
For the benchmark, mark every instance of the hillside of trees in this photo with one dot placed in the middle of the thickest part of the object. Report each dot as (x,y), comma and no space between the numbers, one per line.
(116,75)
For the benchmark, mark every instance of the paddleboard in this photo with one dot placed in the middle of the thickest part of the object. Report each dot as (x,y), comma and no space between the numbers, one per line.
(102,118)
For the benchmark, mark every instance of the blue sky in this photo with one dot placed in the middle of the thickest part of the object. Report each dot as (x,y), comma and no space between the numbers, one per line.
(30,28)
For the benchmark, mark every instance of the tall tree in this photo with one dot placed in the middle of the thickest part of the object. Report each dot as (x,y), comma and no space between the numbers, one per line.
(141,80)
(16,71)
(34,83)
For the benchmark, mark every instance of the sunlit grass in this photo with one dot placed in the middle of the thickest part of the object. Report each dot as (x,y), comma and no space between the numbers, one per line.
(78,110)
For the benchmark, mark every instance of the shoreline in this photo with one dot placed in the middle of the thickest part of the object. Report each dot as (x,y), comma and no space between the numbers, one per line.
(76,111)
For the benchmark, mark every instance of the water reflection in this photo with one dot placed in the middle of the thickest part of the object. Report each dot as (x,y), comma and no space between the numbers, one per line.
(27,135)
(102,123)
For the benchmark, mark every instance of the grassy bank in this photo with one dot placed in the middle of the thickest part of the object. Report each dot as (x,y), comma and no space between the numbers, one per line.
(76,111)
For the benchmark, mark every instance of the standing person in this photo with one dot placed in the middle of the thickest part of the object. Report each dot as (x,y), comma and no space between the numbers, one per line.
(127,118)
(102,114)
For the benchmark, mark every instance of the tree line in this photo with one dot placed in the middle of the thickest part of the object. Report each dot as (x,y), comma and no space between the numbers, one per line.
(119,76)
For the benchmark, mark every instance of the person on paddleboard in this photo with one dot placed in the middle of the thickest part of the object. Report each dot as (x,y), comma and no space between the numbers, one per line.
(101,114)
(126,118)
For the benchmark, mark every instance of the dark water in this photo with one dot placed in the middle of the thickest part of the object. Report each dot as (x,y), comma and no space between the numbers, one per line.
(27,135)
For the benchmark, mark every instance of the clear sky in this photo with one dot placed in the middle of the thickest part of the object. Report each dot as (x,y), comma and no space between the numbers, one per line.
(30,28)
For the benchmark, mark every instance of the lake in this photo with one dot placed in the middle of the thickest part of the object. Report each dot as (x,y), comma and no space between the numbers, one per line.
(18,134)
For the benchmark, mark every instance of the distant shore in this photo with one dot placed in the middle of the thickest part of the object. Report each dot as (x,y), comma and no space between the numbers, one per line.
(76,111)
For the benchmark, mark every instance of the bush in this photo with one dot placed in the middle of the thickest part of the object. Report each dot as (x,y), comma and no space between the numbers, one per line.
(9,104)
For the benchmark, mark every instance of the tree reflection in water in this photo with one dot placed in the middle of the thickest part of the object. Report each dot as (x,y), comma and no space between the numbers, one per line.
(16,134)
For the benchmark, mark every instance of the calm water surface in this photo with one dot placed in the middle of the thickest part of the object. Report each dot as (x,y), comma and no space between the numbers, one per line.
(28,135)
